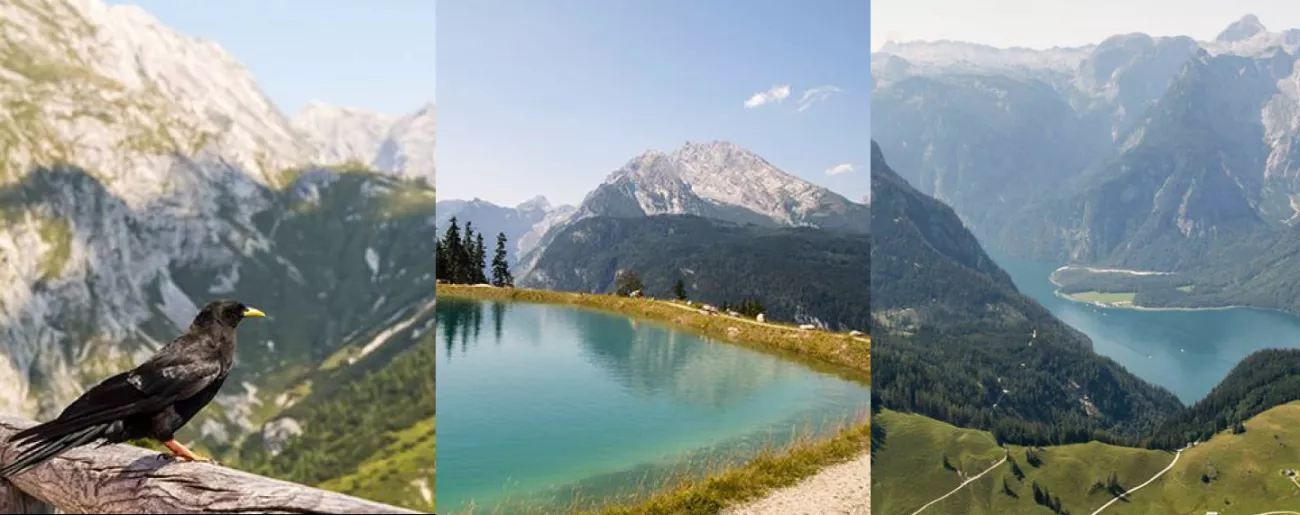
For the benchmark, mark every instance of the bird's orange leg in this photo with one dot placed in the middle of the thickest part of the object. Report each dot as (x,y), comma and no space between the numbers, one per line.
(181,452)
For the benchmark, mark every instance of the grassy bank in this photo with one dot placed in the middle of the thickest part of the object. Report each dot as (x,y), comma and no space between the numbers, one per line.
(771,470)
(840,349)
(1230,473)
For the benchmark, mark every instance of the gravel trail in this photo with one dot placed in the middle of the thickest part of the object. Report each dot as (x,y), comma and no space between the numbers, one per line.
(843,489)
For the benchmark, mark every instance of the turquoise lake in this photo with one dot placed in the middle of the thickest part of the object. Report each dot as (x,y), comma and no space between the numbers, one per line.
(542,404)
(1185,351)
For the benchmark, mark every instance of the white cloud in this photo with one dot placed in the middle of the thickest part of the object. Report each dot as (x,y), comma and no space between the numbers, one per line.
(774,94)
(817,94)
(840,168)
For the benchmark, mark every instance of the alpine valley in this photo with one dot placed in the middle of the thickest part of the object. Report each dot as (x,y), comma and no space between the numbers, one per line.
(1161,173)
(718,217)
(981,392)
(1143,154)
(143,172)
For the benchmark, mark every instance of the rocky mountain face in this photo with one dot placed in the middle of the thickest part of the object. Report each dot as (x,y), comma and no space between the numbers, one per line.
(402,146)
(143,173)
(1144,144)
(724,181)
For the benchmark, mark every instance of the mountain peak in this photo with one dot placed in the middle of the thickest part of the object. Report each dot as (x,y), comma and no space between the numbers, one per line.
(712,147)
(316,111)
(1241,30)
(717,179)
(536,203)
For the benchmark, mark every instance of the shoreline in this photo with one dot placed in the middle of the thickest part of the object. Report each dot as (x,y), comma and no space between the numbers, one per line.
(845,355)
(1122,271)
(1131,305)
(1138,307)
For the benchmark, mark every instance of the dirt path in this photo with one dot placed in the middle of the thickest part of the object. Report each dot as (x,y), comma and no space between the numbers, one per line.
(964,483)
(843,489)
(1149,481)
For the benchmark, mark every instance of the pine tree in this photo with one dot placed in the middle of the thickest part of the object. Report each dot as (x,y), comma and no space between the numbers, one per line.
(480,260)
(468,246)
(439,259)
(500,264)
(679,290)
(1006,489)
(451,254)
(1032,458)
(626,282)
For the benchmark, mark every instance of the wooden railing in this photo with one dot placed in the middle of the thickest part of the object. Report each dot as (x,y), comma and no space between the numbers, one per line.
(127,479)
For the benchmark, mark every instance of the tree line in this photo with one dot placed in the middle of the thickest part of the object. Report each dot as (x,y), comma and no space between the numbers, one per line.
(461,258)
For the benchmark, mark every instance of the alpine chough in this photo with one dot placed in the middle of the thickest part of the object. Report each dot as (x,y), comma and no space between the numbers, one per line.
(151,401)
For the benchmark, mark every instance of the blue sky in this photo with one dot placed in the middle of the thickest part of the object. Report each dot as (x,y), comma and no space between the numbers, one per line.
(372,55)
(550,97)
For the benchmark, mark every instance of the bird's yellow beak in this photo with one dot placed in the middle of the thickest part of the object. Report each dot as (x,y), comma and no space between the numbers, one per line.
(253,312)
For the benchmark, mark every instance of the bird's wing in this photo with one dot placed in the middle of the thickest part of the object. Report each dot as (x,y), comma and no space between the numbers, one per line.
(175,375)
(150,387)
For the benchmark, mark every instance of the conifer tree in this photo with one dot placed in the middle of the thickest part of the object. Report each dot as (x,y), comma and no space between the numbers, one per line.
(452,252)
(480,263)
(626,282)
(501,265)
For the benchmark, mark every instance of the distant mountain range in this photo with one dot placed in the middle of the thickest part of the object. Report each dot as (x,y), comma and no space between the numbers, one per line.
(1163,154)
(524,225)
(402,146)
(727,187)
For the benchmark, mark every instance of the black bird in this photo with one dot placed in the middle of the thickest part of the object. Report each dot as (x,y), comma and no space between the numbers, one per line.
(152,401)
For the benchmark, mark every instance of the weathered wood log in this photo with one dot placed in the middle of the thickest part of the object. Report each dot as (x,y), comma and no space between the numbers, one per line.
(128,479)
(13,500)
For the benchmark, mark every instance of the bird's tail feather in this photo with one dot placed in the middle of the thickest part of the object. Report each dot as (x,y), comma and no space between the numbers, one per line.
(64,426)
(44,449)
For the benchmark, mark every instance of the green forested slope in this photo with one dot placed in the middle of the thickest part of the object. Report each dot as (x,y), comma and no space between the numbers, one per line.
(956,341)
(797,273)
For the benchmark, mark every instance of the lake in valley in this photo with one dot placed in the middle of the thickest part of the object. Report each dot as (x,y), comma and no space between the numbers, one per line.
(1186,351)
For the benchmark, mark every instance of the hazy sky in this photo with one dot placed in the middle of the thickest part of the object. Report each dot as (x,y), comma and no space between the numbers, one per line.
(372,55)
(550,97)
(1043,24)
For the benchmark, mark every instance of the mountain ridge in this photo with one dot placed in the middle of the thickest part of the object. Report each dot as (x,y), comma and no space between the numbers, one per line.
(716,179)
